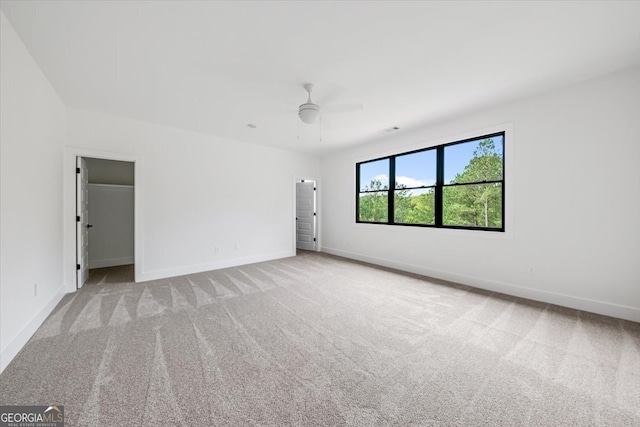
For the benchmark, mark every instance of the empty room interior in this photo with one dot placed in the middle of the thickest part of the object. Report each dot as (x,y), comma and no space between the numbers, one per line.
(321,213)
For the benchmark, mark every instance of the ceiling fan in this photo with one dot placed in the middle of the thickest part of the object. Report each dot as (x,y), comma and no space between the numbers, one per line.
(310,111)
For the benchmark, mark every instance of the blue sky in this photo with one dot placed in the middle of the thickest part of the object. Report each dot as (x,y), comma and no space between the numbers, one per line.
(420,168)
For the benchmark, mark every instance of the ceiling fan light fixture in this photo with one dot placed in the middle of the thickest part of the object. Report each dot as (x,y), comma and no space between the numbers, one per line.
(308,112)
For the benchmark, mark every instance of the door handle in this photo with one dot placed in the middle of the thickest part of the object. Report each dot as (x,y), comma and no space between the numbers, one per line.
(89,225)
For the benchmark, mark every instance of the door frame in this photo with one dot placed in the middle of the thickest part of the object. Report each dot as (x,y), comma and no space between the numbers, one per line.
(82,221)
(318,213)
(69,209)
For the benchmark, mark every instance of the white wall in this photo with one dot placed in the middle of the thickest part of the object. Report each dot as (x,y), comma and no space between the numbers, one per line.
(573,201)
(195,193)
(32,134)
(111,215)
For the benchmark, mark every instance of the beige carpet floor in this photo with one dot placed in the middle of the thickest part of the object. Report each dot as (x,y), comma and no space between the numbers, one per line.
(319,340)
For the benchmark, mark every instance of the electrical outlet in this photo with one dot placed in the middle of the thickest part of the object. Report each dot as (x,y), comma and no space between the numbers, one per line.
(235,247)
(35,289)
(216,250)
(532,270)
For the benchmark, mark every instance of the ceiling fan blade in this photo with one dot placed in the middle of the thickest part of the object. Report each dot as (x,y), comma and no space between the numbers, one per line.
(283,109)
(342,108)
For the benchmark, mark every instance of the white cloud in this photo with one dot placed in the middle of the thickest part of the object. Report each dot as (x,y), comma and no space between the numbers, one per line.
(383,178)
(408,182)
(412,182)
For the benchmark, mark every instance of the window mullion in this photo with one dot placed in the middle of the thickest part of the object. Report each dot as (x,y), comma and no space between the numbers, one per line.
(392,189)
(439,184)
(357,192)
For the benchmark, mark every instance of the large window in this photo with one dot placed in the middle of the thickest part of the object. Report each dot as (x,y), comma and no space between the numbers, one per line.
(455,185)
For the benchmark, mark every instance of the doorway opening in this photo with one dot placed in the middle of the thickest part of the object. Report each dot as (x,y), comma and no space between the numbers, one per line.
(105,210)
(306,215)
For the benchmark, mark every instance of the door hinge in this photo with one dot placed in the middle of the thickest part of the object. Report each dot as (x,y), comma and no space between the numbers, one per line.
(77,170)
(314,239)
(77,266)
(314,214)
(314,188)
(77,219)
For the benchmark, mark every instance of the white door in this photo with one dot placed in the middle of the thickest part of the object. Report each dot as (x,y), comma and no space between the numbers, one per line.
(82,221)
(305,215)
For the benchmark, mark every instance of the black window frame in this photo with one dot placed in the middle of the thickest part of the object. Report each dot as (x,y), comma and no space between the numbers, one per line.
(438,186)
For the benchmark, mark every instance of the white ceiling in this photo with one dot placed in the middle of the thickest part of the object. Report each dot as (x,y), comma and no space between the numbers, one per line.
(215,67)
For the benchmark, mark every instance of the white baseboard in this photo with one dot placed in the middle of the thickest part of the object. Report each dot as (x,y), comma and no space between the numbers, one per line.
(216,265)
(579,303)
(15,345)
(110,262)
